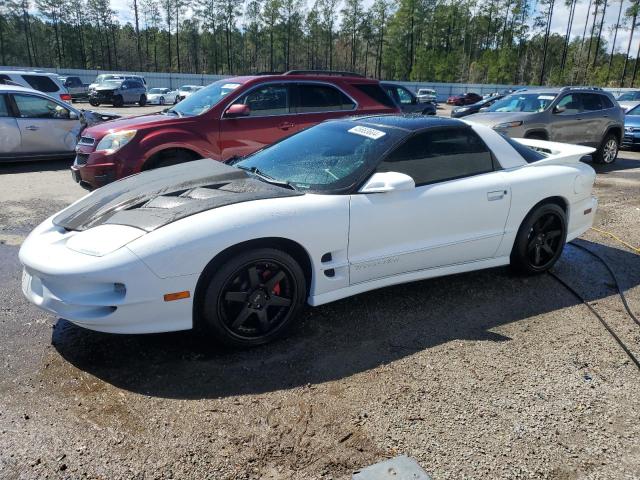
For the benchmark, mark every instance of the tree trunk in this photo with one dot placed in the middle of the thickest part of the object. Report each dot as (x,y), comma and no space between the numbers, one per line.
(546,40)
(613,44)
(178,34)
(604,12)
(626,58)
(135,12)
(567,37)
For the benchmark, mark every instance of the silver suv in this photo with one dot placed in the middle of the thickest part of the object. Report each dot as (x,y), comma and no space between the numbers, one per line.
(119,93)
(580,115)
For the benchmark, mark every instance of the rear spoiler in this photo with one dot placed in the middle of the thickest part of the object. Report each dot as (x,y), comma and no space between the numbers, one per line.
(557,153)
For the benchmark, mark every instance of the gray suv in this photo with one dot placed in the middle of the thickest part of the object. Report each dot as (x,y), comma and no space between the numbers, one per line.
(119,93)
(580,115)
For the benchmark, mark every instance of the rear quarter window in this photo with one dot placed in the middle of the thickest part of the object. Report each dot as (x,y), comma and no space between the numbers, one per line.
(529,154)
(376,93)
(41,82)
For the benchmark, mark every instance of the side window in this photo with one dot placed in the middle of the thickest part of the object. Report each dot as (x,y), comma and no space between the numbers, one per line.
(267,100)
(4,79)
(376,93)
(440,155)
(591,102)
(571,103)
(321,98)
(606,102)
(391,91)
(30,106)
(4,111)
(405,97)
(41,82)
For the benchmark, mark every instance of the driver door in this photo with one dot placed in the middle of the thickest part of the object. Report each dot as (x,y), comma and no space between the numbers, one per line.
(455,214)
(46,127)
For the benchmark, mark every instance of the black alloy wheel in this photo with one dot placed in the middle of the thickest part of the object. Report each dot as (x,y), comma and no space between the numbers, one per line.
(253,298)
(161,100)
(540,240)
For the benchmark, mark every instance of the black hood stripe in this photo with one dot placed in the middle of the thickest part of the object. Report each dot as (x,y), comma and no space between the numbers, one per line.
(155,198)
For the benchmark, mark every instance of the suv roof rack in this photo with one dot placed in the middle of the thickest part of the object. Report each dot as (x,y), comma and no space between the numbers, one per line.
(578,87)
(337,73)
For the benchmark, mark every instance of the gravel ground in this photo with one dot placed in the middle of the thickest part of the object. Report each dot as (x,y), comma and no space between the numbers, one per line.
(480,375)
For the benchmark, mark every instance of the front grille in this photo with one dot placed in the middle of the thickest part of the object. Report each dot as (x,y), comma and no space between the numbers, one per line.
(104,93)
(86,141)
(81,158)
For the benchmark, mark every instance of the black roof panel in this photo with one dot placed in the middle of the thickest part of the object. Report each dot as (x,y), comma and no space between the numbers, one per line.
(410,122)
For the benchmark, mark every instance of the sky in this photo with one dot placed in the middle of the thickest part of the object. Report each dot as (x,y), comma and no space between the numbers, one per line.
(558,23)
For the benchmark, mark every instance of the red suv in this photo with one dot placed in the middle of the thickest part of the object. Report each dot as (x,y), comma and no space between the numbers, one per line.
(231,117)
(464,99)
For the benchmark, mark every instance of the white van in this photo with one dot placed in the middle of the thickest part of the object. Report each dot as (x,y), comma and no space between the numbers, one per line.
(48,83)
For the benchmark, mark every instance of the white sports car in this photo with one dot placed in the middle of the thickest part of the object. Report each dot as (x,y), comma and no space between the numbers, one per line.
(338,209)
(162,96)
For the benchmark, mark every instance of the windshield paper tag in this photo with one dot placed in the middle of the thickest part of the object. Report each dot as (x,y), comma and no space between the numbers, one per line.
(546,97)
(367,132)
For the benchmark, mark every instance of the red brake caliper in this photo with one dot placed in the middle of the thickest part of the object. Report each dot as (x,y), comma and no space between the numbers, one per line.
(276,289)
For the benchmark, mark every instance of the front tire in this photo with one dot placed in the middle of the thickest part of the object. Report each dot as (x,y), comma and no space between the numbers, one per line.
(161,100)
(143,101)
(540,239)
(608,151)
(252,298)
(93,103)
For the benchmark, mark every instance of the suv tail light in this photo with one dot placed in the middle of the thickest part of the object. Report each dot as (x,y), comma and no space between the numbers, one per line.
(65,97)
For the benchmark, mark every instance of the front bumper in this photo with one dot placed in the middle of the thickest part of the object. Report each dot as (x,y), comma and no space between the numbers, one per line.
(631,138)
(93,169)
(116,293)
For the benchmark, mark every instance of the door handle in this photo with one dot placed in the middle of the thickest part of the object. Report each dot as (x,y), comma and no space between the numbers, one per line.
(496,195)
(33,128)
(286,125)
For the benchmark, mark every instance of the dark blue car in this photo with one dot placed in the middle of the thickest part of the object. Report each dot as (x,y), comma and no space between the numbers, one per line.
(632,128)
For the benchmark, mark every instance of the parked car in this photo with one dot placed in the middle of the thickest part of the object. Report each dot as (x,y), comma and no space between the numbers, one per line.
(228,118)
(186,90)
(75,87)
(36,126)
(44,82)
(427,95)
(581,115)
(631,136)
(341,208)
(406,100)
(629,100)
(115,76)
(161,96)
(460,112)
(464,99)
(119,93)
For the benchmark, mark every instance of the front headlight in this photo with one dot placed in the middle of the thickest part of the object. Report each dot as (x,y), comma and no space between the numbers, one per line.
(113,142)
(507,125)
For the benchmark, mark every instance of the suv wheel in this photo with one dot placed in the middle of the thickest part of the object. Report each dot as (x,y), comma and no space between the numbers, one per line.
(143,101)
(94,103)
(608,151)
(118,101)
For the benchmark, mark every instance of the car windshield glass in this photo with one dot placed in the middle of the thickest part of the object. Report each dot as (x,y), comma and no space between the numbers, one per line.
(202,100)
(112,83)
(326,158)
(627,97)
(523,102)
(158,90)
(634,112)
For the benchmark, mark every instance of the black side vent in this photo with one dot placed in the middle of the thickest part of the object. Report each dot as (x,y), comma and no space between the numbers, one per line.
(326,257)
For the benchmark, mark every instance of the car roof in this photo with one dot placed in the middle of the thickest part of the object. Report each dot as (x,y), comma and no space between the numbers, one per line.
(409,122)
(14,88)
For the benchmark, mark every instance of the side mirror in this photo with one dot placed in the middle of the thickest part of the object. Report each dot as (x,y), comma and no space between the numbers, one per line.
(558,109)
(383,182)
(237,110)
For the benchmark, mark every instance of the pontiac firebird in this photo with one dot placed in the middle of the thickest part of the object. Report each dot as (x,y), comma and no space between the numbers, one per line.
(344,207)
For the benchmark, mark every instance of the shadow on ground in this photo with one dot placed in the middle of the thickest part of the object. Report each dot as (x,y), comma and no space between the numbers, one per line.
(623,162)
(29,166)
(346,337)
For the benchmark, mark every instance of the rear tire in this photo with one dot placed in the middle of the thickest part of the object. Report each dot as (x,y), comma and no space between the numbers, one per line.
(143,101)
(253,298)
(161,100)
(608,151)
(540,239)
(118,101)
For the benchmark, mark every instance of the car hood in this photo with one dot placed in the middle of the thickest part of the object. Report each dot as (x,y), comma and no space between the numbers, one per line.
(132,123)
(494,118)
(152,199)
(105,88)
(632,121)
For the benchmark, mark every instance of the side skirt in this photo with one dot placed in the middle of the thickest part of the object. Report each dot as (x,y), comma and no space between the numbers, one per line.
(405,278)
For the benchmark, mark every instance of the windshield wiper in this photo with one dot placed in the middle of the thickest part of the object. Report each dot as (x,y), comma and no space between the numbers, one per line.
(266,178)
